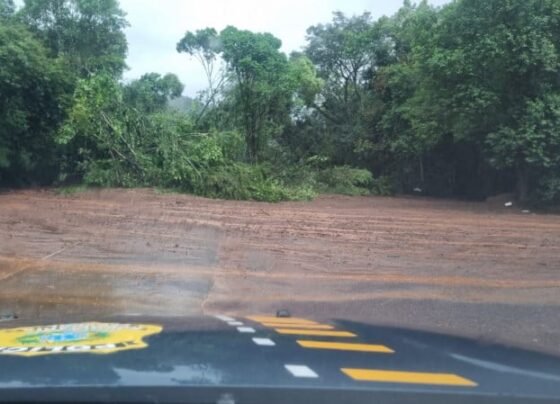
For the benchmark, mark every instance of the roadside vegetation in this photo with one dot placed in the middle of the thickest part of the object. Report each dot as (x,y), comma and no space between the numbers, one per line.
(457,101)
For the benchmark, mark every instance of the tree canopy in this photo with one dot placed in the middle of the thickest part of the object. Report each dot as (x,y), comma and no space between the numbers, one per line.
(151,92)
(461,101)
(89,34)
(33,90)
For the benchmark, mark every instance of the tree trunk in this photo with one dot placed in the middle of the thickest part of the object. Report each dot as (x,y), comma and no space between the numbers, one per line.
(522,190)
(421,166)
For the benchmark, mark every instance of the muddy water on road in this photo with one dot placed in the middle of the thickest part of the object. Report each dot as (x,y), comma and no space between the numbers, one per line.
(57,290)
(454,267)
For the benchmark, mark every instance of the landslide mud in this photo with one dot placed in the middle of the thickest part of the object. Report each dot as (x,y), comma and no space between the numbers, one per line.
(464,268)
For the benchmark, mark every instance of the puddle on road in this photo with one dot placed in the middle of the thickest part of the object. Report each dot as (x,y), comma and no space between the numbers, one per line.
(94,280)
(56,293)
(38,293)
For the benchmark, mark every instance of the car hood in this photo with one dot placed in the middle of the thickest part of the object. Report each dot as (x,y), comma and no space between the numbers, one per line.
(248,358)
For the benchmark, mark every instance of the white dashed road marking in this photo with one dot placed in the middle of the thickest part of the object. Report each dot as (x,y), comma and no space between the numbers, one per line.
(246,330)
(301,371)
(264,341)
(224,318)
(235,323)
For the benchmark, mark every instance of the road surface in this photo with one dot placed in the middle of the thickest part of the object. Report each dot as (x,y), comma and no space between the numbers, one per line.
(469,269)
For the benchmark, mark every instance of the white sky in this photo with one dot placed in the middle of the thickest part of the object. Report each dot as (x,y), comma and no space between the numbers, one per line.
(157,25)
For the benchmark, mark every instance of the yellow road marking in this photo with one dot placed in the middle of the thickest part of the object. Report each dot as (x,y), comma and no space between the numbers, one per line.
(343,346)
(318,333)
(389,376)
(282,320)
(302,326)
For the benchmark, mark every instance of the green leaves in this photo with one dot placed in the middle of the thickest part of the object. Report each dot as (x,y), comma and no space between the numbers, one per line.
(32,102)
(152,92)
(7,9)
(448,99)
(484,77)
(341,49)
(260,82)
(204,42)
(250,54)
(532,138)
(304,79)
(89,34)
(100,127)
(261,86)
(44,51)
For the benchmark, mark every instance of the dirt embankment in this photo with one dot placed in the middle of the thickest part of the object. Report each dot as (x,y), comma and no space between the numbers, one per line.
(463,268)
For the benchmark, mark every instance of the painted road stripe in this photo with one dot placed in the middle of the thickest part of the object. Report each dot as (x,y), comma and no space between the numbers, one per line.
(301,326)
(264,341)
(301,371)
(342,346)
(317,333)
(224,318)
(280,320)
(390,376)
(235,323)
(250,330)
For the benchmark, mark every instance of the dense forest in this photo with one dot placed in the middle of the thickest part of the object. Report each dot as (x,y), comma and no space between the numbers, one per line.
(456,101)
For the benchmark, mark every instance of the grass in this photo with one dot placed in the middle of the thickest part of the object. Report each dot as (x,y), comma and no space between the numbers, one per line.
(68,190)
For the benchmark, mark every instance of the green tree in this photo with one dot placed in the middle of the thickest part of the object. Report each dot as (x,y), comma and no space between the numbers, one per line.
(89,34)
(205,46)
(152,92)
(261,85)
(531,145)
(342,52)
(398,143)
(7,9)
(32,103)
(304,136)
(307,83)
(490,65)
(102,135)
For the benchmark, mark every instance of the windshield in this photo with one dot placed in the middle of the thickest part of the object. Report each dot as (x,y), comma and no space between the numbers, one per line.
(386,163)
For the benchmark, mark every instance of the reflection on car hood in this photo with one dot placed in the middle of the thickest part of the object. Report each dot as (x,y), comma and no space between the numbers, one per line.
(236,358)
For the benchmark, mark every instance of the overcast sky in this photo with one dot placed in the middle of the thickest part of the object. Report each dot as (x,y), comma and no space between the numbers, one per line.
(156,27)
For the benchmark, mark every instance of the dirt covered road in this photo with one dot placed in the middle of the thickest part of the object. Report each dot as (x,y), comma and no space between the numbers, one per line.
(462,268)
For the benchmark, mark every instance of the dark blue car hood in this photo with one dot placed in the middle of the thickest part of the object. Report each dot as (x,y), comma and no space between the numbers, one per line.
(239,359)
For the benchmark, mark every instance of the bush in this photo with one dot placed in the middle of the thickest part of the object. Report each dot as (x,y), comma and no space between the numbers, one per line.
(115,145)
(111,173)
(301,193)
(382,186)
(345,180)
(243,182)
(548,191)
(232,145)
(232,181)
